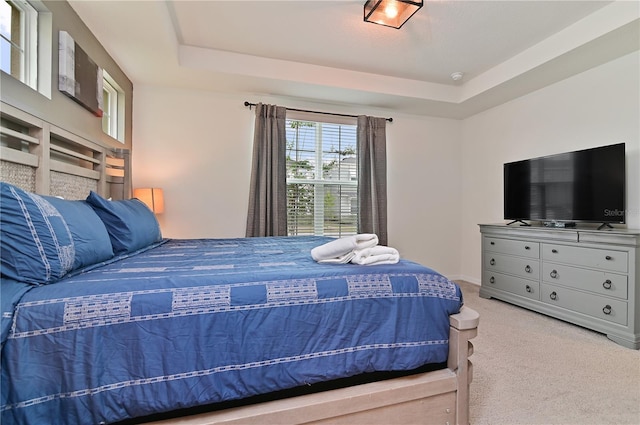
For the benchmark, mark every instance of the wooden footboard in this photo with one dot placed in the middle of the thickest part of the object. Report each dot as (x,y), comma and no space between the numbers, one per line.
(441,396)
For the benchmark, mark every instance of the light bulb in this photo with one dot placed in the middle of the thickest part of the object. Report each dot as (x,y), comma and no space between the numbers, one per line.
(391,10)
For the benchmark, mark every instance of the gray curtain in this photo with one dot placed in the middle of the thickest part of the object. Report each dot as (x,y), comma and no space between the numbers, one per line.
(267,214)
(372,176)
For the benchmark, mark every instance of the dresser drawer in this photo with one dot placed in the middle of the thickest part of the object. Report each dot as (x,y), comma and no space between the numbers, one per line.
(512,284)
(509,246)
(605,283)
(527,268)
(605,259)
(593,305)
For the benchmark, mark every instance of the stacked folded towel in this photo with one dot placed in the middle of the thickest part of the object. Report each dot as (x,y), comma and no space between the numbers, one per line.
(376,255)
(342,250)
(358,249)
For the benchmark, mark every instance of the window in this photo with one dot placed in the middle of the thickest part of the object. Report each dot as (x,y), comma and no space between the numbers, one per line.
(322,178)
(113,108)
(19,41)
(25,43)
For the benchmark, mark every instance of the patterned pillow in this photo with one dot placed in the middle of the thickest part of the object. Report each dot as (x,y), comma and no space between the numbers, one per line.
(90,237)
(36,245)
(130,223)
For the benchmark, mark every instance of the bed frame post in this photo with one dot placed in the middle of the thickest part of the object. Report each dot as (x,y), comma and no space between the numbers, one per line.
(463,327)
(127,189)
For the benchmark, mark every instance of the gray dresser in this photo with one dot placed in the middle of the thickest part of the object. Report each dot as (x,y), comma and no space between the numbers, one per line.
(584,276)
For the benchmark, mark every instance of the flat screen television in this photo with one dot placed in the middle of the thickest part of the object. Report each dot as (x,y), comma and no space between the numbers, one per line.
(585,185)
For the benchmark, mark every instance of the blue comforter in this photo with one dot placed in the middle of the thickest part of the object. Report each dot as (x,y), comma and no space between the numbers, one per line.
(193,322)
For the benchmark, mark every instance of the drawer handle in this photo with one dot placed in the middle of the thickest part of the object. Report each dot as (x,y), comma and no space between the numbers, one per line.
(492,262)
(527,269)
(555,251)
(527,247)
(493,243)
(608,258)
(528,288)
(606,309)
(554,274)
(492,279)
(606,284)
(553,295)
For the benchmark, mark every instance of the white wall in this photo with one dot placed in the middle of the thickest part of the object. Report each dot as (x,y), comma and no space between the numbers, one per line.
(424,194)
(197,146)
(597,107)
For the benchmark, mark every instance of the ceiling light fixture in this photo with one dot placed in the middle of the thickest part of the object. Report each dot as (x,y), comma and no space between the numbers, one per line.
(390,13)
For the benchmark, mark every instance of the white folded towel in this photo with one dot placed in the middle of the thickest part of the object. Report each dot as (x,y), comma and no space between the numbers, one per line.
(343,249)
(376,255)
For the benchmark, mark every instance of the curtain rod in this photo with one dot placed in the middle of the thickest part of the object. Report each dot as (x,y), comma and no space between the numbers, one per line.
(249,104)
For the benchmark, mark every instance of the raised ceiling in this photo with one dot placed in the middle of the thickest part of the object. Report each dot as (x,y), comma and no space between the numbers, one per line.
(322,51)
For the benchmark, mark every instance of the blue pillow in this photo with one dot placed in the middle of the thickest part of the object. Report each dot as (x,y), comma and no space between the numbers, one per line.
(130,223)
(36,245)
(90,237)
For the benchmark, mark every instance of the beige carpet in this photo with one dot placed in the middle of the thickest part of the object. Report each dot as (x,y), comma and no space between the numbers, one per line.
(533,369)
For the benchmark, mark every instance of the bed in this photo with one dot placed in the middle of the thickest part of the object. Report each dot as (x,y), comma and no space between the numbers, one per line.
(104,321)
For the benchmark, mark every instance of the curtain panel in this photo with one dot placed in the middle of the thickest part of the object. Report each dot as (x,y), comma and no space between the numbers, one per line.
(372,176)
(267,215)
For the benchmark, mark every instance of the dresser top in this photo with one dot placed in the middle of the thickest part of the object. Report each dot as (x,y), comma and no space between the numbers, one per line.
(586,228)
(570,234)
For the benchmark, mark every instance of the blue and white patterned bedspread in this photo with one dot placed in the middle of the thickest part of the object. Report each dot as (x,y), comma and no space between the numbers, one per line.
(193,322)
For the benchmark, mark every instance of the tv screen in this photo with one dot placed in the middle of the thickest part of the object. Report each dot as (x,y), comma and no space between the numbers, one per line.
(585,185)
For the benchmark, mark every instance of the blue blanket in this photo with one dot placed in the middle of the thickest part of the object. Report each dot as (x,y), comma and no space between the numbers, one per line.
(194,322)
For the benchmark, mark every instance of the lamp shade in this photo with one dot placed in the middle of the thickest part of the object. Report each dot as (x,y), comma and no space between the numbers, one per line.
(153,197)
(391,13)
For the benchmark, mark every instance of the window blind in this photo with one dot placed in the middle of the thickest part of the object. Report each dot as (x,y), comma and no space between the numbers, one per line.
(322,178)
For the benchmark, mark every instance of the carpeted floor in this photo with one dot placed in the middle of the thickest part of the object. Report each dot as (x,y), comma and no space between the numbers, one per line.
(533,369)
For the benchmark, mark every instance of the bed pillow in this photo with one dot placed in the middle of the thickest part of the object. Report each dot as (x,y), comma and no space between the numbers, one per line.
(130,223)
(90,237)
(36,245)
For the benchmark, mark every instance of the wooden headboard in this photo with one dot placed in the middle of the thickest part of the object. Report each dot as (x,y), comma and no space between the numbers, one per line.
(42,158)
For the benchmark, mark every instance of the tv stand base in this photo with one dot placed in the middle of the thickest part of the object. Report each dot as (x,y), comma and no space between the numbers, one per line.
(522,223)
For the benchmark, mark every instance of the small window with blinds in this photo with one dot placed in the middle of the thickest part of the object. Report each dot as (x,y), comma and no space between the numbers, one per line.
(322,178)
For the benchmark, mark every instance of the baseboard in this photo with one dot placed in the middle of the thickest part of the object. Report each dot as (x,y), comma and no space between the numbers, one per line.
(467,279)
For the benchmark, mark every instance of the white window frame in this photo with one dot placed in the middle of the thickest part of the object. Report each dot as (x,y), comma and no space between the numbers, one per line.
(35,45)
(114,113)
(320,184)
